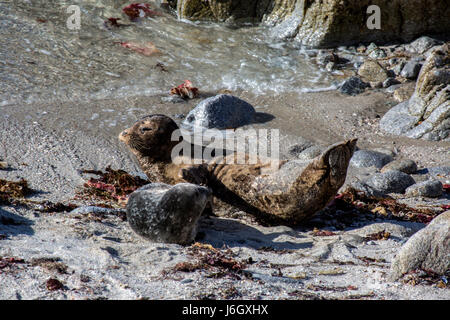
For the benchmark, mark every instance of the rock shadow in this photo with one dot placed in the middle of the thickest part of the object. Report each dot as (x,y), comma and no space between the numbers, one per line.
(231,232)
(262,117)
(12,224)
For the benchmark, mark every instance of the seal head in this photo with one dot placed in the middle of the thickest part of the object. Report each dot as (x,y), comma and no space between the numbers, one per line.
(151,137)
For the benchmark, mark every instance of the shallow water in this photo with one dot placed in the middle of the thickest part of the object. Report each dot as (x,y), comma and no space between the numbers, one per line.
(41,60)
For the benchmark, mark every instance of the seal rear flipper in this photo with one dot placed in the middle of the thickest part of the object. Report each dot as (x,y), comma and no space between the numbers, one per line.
(314,188)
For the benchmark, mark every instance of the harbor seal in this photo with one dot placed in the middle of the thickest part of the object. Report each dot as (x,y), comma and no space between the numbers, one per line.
(164,213)
(274,197)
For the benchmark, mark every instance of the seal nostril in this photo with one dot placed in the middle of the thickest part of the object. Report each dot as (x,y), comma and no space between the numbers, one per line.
(191,118)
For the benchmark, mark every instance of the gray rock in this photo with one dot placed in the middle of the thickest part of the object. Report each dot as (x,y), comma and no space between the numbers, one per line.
(397,69)
(372,46)
(220,112)
(310,153)
(394,87)
(163,213)
(390,82)
(430,188)
(426,115)
(422,44)
(369,158)
(94,210)
(411,69)
(406,166)
(299,147)
(377,53)
(353,86)
(397,120)
(381,184)
(428,249)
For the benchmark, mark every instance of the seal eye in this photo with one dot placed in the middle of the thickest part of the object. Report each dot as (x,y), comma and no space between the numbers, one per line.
(145,129)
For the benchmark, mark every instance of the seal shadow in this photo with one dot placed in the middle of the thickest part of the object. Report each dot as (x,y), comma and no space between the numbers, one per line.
(230,232)
(12,224)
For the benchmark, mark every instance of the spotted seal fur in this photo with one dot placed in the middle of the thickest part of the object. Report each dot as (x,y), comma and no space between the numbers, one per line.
(247,186)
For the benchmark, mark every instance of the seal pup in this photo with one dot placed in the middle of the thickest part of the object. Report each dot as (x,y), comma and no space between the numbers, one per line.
(164,213)
(247,186)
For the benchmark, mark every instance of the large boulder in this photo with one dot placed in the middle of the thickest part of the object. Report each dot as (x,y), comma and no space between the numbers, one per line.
(332,22)
(428,249)
(426,114)
(169,214)
(220,112)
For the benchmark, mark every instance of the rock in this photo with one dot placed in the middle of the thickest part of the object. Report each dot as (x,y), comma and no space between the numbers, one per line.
(163,213)
(368,158)
(404,92)
(299,147)
(376,84)
(430,188)
(390,82)
(428,249)
(397,120)
(328,24)
(372,71)
(220,112)
(353,86)
(383,183)
(422,44)
(406,166)
(330,66)
(95,210)
(377,53)
(411,70)
(324,57)
(372,46)
(390,182)
(397,69)
(426,115)
(310,153)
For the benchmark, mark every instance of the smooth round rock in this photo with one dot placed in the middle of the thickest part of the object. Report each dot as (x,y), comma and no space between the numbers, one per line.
(411,69)
(169,214)
(428,249)
(220,112)
(406,166)
(430,188)
(390,182)
(380,184)
(369,158)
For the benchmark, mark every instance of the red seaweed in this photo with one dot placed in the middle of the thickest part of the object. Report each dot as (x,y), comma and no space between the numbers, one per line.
(139,10)
(185,90)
